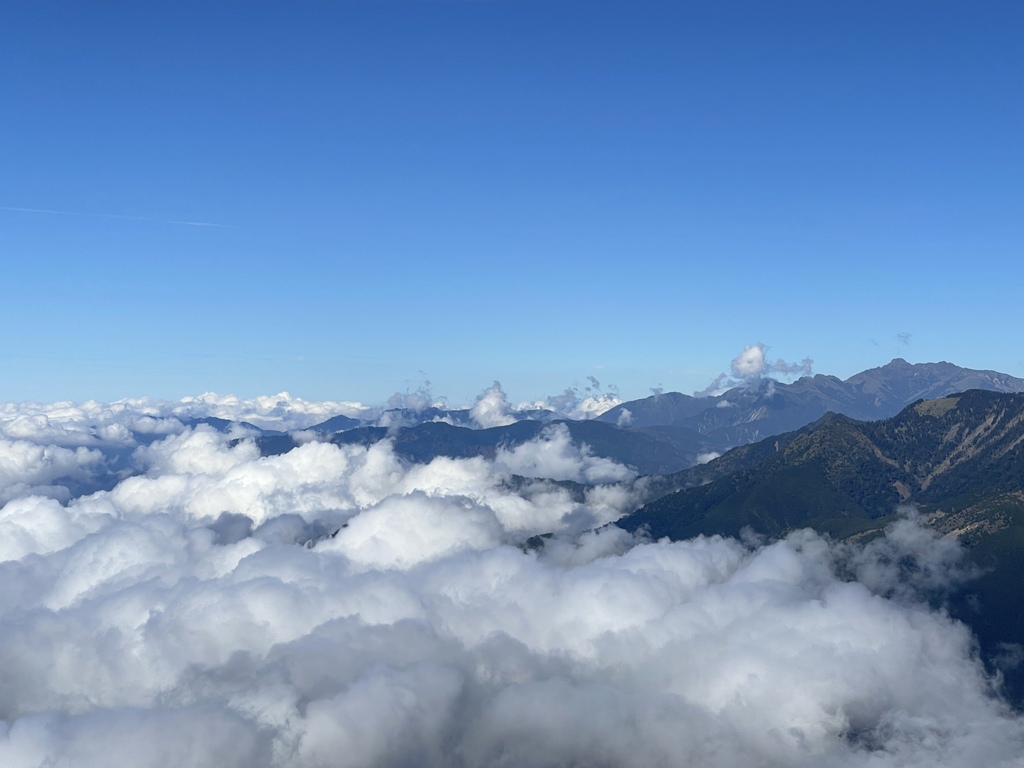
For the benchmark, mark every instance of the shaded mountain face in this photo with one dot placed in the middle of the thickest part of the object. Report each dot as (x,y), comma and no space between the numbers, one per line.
(766,407)
(336,424)
(945,453)
(665,409)
(959,459)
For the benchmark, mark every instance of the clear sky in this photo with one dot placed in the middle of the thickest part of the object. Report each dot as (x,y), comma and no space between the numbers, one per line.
(534,192)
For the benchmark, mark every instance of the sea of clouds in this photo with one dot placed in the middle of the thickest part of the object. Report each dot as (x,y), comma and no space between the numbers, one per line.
(172,598)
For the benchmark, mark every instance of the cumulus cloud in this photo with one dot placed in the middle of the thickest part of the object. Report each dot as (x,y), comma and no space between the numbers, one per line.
(750,362)
(27,468)
(571,404)
(578,402)
(71,424)
(492,408)
(554,456)
(336,606)
(751,365)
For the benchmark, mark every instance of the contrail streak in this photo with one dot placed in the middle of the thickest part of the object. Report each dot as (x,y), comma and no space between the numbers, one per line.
(115,216)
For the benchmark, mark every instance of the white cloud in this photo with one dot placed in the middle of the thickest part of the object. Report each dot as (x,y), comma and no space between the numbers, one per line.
(492,408)
(594,406)
(334,605)
(27,468)
(281,411)
(196,451)
(554,456)
(68,424)
(576,404)
(401,532)
(750,362)
(92,423)
(39,525)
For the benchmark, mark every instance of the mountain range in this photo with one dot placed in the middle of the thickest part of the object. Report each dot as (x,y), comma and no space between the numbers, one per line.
(764,407)
(669,432)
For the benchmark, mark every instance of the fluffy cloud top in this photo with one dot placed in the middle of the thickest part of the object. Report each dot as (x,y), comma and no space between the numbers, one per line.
(282,411)
(554,456)
(92,422)
(749,362)
(336,606)
(492,408)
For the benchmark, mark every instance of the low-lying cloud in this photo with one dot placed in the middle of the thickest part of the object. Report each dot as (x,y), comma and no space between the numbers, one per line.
(336,606)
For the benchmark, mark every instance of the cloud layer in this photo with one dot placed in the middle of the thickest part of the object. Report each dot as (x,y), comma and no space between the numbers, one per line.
(334,606)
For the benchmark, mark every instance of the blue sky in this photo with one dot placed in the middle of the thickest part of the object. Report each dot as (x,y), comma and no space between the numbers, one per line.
(534,192)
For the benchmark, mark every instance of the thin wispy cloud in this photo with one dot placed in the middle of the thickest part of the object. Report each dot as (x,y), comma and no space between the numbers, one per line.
(17,209)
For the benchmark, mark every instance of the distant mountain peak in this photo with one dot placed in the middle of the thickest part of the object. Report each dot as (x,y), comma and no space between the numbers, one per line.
(765,407)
